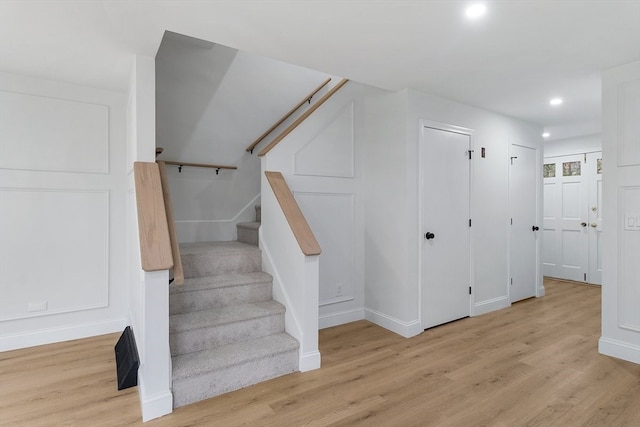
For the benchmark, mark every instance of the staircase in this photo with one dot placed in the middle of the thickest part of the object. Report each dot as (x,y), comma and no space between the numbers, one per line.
(225,330)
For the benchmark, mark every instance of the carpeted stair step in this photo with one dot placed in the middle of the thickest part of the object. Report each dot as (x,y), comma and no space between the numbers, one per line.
(202,293)
(248,232)
(204,374)
(216,258)
(206,329)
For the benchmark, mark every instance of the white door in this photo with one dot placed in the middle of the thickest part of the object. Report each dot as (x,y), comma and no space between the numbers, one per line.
(446,250)
(566,217)
(524,229)
(594,232)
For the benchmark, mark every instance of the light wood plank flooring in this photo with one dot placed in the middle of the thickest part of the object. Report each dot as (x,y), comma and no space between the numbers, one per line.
(533,364)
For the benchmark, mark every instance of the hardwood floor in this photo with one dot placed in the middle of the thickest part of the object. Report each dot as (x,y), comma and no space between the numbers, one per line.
(533,364)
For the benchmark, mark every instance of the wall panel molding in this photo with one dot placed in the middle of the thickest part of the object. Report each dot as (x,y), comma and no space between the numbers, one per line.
(337,278)
(628,266)
(628,123)
(54,245)
(41,133)
(331,152)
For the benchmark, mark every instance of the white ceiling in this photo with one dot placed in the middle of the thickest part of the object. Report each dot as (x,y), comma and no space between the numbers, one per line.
(512,61)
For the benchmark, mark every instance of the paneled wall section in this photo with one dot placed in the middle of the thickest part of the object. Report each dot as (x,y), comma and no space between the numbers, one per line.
(62,212)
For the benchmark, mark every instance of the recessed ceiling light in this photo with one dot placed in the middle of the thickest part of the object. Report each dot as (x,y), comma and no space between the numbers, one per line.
(476,10)
(555,101)
(546,135)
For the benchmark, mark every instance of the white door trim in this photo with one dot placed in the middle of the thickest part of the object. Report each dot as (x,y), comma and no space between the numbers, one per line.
(540,291)
(464,131)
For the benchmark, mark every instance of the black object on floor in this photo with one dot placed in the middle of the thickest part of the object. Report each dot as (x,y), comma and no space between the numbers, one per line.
(127,360)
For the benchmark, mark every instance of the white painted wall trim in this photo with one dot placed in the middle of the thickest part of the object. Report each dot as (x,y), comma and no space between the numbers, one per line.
(619,349)
(67,333)
(153,406)
(237,218)
(488,306)
(291,323)
(310,361)
(400,327)
(340,318)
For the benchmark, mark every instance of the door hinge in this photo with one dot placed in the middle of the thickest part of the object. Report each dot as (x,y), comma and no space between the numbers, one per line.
(469,151)
(469,222)
(511,221)
(585,277)
(512,281)
(469,290)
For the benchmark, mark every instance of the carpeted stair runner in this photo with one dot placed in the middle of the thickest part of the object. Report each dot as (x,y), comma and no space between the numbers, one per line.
(225,330)
(248,231)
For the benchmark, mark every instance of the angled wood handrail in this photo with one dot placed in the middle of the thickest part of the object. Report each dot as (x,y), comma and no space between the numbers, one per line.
(153,232)
(303,117)
(199,165)
(178,272)
(298,223)
(286,116)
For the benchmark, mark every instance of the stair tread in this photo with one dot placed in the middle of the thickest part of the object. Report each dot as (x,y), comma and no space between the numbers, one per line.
(191,364)
(223,315)
(253,225)
(219,247)
(221,281)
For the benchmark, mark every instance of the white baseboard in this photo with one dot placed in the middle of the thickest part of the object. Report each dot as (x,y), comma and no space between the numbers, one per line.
(310,361)
(340,318)
(490,305)
(153,406)
(619,349)
(60,334)
(400,327)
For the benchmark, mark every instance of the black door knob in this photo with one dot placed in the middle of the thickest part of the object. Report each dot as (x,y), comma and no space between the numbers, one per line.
(535,228)
(429,235)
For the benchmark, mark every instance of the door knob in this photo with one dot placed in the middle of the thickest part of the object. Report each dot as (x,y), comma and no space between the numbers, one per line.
(535,228)
(584,224)
(429,235)
(593,224)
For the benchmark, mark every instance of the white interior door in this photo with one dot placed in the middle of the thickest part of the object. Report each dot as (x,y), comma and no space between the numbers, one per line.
(594,232)
(524,229)
(565,249)
(445,263)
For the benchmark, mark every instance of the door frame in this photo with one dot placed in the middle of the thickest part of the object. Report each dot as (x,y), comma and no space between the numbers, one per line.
(540,291)
(421,141)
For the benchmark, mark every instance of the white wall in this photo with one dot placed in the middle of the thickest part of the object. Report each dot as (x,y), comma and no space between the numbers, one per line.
(621,214)
(149,291)
(212,102)
(62,212)
(392,232)
(322,162)
(578,145)
(386,196)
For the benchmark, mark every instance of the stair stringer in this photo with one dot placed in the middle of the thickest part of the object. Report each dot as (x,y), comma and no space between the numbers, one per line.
(295,286)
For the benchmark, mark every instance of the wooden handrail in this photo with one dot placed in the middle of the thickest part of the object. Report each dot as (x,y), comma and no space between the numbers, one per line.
(199,165)
(153,232)
(286,116)
(178,272)
(303,117)
(298,223)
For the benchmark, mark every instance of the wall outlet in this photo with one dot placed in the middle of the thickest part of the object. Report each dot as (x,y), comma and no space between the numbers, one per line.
(37,306)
